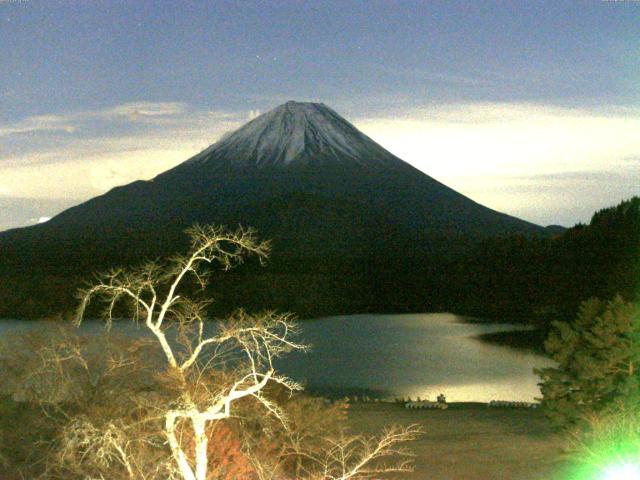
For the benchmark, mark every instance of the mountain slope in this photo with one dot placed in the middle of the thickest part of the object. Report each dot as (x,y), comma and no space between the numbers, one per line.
(324,193)
(296,157)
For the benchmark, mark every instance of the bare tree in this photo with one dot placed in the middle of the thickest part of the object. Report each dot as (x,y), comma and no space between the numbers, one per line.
(361,457)
(348,457)
(260,339)
(214,370)
(78,396)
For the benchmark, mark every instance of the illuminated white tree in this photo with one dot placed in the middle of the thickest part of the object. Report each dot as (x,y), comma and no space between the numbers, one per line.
(215,369)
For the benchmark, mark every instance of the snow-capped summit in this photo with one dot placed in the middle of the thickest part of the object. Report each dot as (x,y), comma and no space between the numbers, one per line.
(295,133)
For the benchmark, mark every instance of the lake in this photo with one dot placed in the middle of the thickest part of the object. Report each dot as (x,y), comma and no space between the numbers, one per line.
(407,355)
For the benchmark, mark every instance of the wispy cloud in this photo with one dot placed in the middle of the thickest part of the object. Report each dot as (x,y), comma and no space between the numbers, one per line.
(562,198)
(72,121)
(135,110)
(429,75)
(544,163)
(40,123)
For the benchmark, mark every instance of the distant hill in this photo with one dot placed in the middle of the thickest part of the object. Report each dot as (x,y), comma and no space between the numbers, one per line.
(545,278)
(328,197)
(555,229)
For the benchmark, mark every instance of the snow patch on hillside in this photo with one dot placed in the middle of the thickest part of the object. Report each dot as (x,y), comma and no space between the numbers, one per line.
(296,132)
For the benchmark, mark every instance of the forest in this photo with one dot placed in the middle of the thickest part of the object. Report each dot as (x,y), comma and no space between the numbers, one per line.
(528,279)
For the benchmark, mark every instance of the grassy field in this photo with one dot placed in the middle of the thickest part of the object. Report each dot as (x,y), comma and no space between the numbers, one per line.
(464,442)
(471,441)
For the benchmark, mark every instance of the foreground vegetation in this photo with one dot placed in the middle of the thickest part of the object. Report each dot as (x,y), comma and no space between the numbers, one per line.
(593,394)
(472,441)
(185,402)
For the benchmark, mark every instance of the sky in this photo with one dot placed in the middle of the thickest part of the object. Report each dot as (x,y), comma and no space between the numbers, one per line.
(528,107)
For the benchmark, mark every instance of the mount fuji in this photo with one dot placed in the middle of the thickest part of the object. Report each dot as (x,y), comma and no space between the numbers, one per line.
(296,133)
(328,197)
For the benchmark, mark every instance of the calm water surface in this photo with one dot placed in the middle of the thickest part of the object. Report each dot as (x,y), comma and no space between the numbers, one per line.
(405,355)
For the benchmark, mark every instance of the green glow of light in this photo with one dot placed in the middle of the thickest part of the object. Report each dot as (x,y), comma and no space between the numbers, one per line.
(623,471)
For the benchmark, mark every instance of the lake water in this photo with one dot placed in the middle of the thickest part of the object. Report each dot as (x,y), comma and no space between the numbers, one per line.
(406,355)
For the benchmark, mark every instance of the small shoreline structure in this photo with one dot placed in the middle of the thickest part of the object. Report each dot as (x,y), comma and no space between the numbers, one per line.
(512,404)
(426,404)
(440,403)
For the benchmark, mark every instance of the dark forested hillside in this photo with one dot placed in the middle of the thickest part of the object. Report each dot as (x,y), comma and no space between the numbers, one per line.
(540,279)
(524,278)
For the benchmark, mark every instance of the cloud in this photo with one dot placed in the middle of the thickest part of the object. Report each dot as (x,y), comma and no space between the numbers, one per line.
(460,141)
(427,74)
(623,174)
(632,160)
(72,121)
(563,198)
(139,110)
(17,212)
(253,114)
(39,123)
(544,163)
(89,169)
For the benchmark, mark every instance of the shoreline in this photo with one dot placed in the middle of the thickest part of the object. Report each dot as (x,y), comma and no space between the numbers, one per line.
(531,340)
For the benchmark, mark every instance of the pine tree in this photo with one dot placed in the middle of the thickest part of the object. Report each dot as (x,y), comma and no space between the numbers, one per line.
(598,358)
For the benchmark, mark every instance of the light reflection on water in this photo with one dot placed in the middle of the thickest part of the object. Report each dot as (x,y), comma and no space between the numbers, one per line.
(414,355)
(406,355)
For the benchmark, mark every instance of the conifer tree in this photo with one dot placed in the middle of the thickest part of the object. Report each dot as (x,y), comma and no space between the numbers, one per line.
(598,357)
